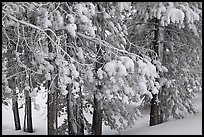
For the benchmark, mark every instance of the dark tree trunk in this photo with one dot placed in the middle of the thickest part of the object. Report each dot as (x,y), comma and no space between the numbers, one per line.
(16,111)
(72,127)
(154,111)
(97,117)
(52,113)
(79,115)
(28,113)
(28,127)
(158,48)
(52,101)
(97,113)
(74,114)
(53,92)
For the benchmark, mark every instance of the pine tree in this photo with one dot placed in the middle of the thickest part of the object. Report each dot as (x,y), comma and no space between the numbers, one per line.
(170,81)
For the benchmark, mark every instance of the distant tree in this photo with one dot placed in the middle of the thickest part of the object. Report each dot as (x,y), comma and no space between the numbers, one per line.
(182,16)
(9,68)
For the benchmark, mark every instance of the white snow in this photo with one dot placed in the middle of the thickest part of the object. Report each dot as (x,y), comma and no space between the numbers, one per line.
(71,18)
(80,53)
(100,73)
(160,10)
(127,62)
(190,125)
(115,67)
(88,76)
(80,8)
(72,29)
(39,119)
(47,23)
(84,19)
(74,73)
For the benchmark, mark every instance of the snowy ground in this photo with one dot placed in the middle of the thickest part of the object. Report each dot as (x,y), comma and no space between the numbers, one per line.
(190,125)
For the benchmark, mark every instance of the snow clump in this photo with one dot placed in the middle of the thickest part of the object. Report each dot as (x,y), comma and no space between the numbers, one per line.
(115,67)
(128,63)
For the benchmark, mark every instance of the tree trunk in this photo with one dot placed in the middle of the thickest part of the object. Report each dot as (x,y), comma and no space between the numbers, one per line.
(53,92)
(158,48)
(52,103)
(28,110)
(72,127)
(52,113)
(79,115)
(16,111)
(75,113)
(97,117)
(154,111)
(28,113)
(97,113)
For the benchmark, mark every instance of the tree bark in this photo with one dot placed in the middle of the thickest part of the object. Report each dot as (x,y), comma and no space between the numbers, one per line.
(97,113)
(79,115)
(74,114)
(28,127)
(158,48)
(72,127)
(97,117)
(52,102)
(15,111)
(52,113)
(154,111)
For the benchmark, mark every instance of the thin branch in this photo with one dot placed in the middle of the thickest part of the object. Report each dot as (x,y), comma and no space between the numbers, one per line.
(95,40)
(44,31)
(106,44)
(9,77)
